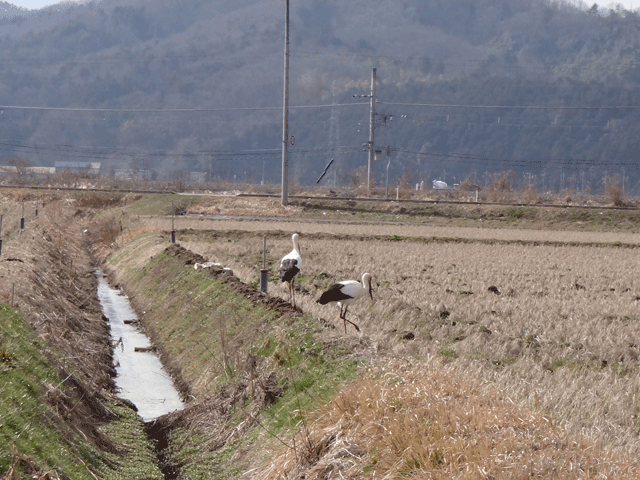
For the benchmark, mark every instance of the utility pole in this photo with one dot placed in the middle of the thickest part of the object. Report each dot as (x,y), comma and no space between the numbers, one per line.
(285,112)
(372,119)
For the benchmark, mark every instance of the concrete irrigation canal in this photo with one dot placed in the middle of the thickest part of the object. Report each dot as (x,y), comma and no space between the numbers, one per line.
(141,377)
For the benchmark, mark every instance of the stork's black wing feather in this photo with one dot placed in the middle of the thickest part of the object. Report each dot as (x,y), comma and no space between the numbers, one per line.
(334,294)
(288,269)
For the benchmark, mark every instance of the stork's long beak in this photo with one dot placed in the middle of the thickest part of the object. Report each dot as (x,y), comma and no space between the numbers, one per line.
(371,291)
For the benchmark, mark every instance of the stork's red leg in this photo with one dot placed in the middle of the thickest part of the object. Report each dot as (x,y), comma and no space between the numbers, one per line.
(343,316)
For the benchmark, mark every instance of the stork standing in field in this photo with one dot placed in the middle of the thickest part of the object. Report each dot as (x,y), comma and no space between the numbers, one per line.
(290,268)
(345,293)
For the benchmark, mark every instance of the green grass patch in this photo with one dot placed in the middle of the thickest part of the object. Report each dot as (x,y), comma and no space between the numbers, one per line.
(97,200)
(160,204)
(520,213)
(309,373)
(29,426)
(140,460)
(449,353)
(197,461)
(31,429)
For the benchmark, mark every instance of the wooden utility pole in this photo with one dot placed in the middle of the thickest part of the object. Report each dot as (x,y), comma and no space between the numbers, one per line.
(371,129)
(285,111)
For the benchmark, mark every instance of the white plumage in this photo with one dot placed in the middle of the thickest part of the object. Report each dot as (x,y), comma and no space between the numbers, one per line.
(290,266)
(345,293)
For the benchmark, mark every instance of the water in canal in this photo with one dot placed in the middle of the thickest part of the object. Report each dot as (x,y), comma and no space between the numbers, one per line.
(141,377)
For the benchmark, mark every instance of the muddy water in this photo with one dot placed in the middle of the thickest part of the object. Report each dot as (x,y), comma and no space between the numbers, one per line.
(141,377)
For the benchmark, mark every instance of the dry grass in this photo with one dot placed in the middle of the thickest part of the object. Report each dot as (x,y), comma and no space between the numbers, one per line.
(107,230)
(113,230)
(560,335)
(531,196)
(548,332)
(550,326)
(47,273)
(267,207)
(499,190)
(615,192)
(103,199)
(426,421)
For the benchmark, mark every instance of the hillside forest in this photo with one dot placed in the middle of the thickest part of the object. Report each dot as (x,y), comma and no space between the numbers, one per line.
(465,89)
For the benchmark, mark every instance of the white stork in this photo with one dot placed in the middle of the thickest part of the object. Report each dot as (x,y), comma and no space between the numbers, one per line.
(345,293)
(290,268)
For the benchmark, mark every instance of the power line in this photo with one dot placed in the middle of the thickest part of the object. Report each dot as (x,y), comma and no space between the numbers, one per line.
(101,153)
(128,59)
(328,105)
(168,110)
(521,162)
(485,63)
(515,107)
(133,110)
(415,118)
(108,152)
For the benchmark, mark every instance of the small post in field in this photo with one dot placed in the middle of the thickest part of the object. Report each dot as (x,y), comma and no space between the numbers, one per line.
(476,195)
(173,230)
(22,218)
(37,201)
(263,270)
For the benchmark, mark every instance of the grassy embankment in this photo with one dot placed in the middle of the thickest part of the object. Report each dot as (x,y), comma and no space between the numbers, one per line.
(34,439)
(250,370)
(58,415)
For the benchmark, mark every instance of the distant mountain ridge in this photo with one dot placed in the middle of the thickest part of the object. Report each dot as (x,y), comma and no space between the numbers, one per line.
(8,9)
(180,86)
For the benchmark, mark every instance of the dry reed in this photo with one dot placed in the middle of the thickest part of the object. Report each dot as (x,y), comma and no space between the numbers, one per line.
(426,421)
(553,326)
(558,330)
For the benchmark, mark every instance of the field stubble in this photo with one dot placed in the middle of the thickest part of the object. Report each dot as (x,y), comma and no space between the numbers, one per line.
(552,326)
(556,327)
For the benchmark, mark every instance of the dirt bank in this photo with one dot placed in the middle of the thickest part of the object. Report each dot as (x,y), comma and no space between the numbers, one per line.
(47,273)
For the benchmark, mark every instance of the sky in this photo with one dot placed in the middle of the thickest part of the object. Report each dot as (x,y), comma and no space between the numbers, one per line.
(34,4)
(628,4)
